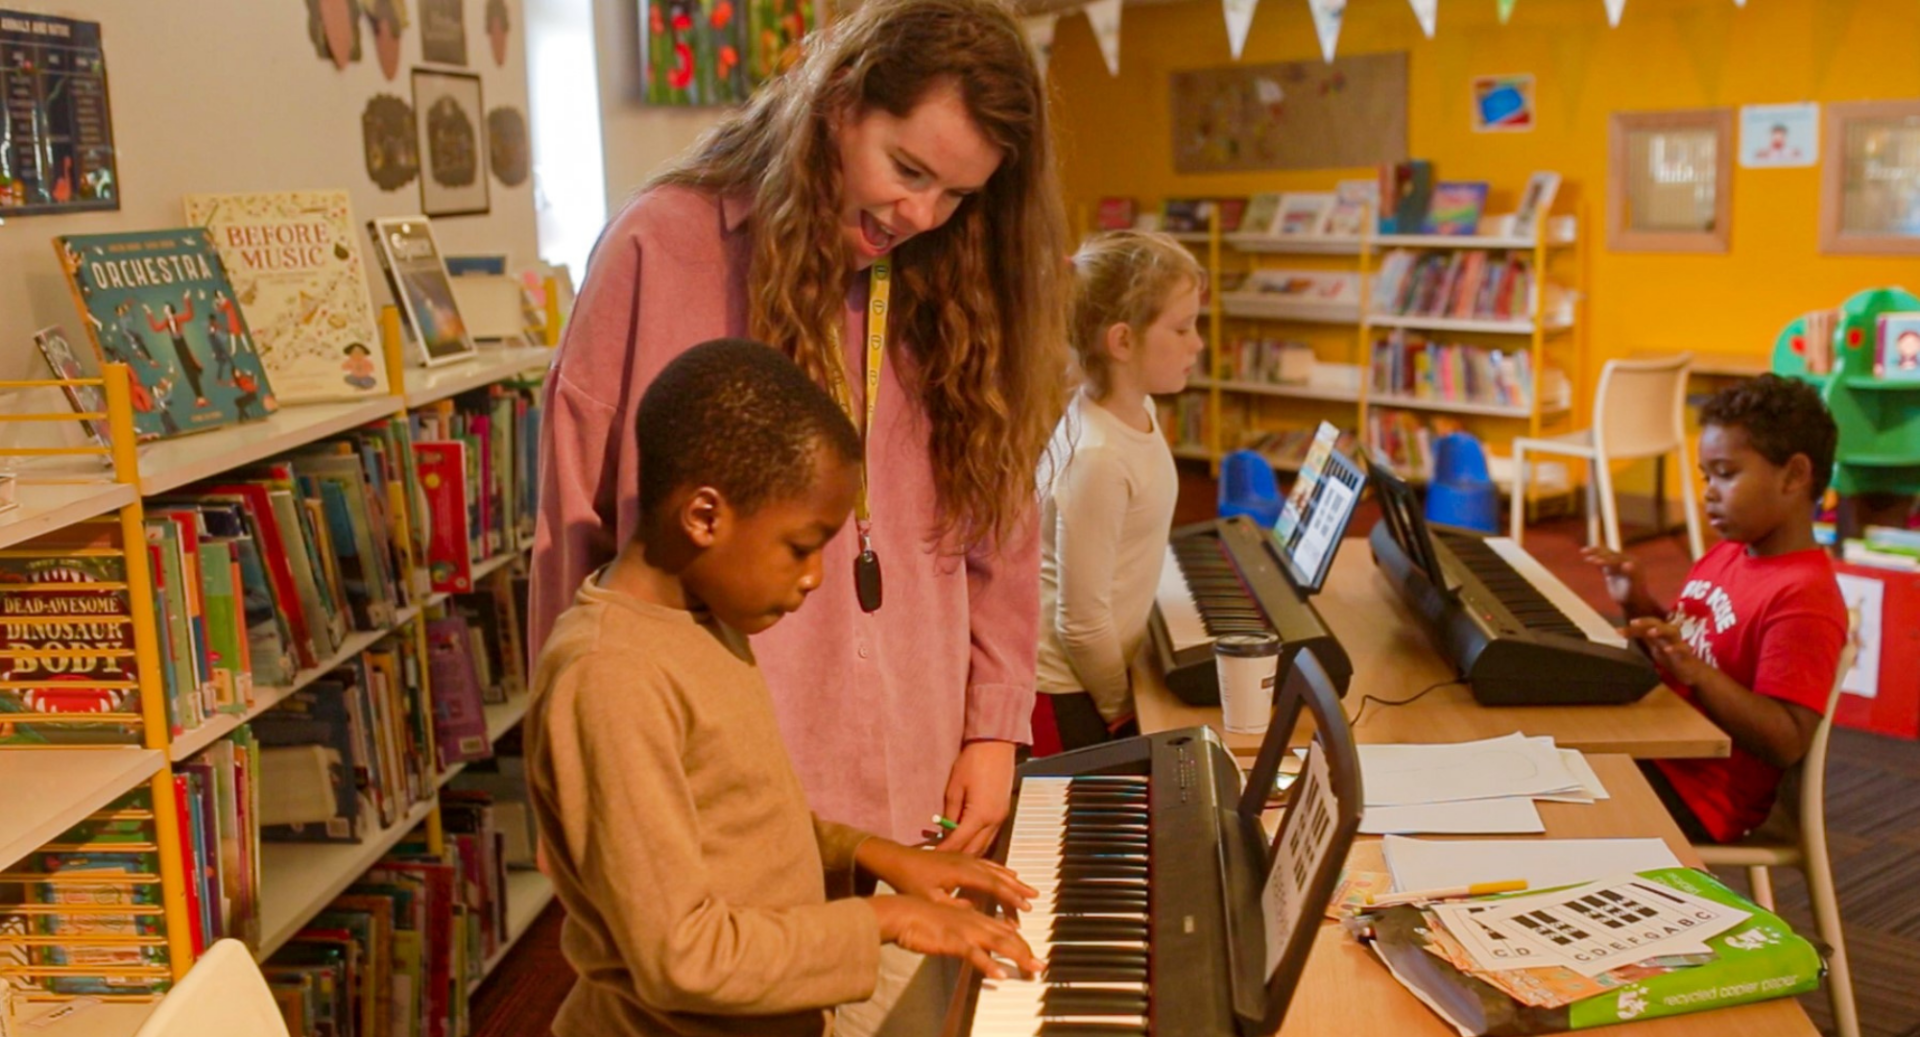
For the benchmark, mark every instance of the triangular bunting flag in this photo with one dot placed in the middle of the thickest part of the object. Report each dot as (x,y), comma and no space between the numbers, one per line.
(1239,19)
(1614,7)
(1428,11)
(1104,16)
(1040,38)
(1327,15)
(1504,8)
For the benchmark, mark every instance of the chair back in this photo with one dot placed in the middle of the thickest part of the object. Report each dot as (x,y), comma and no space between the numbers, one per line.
(1810,798)
(1247,487)
(1640,408)
(1458,457)
(223,994)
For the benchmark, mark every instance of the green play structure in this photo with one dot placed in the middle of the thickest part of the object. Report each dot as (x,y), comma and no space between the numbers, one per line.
(1879,418)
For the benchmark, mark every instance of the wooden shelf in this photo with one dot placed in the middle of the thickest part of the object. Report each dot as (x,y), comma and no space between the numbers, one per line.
(173,463)
(1294,244)
(1267,306)
(51,790)
(47,506)
(528,894)
(1489,326)
(85,1018)
(431,384)
(1301,392)
(298,880)
(505,716)
(1192,453)
(1494,410)
(264,699)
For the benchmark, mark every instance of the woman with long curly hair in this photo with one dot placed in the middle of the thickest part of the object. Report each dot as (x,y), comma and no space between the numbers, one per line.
(902,169)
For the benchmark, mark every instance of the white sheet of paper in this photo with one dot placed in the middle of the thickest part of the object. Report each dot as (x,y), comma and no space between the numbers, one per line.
(1512,765)
(1591,790)
(1543,863)
(1515,816)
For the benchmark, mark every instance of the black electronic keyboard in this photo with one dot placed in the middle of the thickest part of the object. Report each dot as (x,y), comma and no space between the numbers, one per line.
(1221,577)
(1518,635)
(1152,865)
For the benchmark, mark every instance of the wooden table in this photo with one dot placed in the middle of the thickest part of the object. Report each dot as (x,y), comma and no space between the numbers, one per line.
(1346,989)
(1392,659)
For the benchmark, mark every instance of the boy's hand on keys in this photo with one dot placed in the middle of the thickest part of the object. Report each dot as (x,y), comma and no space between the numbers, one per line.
(953,930)
(1626,585)
(1670,650)
(937,875)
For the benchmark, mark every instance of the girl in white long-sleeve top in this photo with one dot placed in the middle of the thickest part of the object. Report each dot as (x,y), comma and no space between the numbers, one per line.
(1108,482)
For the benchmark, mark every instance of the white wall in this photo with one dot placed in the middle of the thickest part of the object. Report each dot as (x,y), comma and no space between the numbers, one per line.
(228,95)
(637,139)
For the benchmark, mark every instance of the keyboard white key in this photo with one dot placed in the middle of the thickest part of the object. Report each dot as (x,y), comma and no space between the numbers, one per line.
(1591,623)
(1021,1005)
(1178,610)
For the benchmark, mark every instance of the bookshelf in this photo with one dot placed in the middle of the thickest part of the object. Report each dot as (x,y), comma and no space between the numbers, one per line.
(47,790)
(50,791)
(1544,343)
(528,894)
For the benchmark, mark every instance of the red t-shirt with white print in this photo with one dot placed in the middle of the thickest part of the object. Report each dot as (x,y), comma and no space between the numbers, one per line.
(1775,625)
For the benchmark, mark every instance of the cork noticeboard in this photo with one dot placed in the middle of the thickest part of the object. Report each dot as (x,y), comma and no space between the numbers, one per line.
(1291,115)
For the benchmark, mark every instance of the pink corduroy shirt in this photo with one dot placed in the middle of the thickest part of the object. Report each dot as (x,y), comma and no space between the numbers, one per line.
(873,708)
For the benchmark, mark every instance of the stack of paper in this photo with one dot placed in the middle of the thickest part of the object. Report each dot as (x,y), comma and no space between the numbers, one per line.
(1470,787)
(1542,863)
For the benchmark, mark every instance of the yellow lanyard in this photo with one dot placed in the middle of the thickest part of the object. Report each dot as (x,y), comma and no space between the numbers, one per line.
(880,290)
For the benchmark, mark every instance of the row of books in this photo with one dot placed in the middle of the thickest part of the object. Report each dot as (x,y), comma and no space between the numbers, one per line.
(1405,440)
(259,298)
(350,753)
(394,954)
(1269,360)
(1185,420)
(476,455)
(1415,203)
(1411,365)
(1286,449)
(1462,285)
(217,798)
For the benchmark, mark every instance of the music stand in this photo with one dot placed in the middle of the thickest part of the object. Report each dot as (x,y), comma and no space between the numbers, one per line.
(1306,856)
(1401,510)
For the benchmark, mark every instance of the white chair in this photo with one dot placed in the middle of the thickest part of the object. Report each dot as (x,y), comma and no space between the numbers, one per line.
(1795,836)
(224,994)
(1638,412)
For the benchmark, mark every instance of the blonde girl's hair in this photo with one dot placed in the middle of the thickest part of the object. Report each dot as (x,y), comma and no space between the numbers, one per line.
(979,302)
(1122,277)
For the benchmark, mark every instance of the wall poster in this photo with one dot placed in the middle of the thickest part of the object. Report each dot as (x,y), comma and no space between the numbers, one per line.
(1351,112)
(56,141)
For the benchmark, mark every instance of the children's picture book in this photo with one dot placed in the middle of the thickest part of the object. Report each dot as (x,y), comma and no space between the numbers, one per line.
(1535,203)
(1262,214)
(418,277)
(1116,213)
(1183,215)
(1406,189)
(294,259)
(1353,202)
(86,399)
(160,302)
(1899,352)
(1456,207)
(1304,212)
(56,602)
(1229,212)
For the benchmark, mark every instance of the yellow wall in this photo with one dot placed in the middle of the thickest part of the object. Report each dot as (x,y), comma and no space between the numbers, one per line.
(1115,132)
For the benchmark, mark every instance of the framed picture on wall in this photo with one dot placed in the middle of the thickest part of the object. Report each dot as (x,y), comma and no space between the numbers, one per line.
(450,117)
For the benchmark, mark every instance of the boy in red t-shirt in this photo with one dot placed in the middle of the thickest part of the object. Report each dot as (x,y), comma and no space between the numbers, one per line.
(1754,638)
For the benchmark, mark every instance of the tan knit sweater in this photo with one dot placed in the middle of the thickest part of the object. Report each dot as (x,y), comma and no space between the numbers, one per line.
(695,878)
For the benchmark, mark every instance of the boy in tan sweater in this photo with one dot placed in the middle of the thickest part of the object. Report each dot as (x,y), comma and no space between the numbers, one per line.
(698,886)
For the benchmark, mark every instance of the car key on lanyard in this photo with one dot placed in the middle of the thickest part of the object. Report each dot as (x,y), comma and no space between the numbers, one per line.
(867,584)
